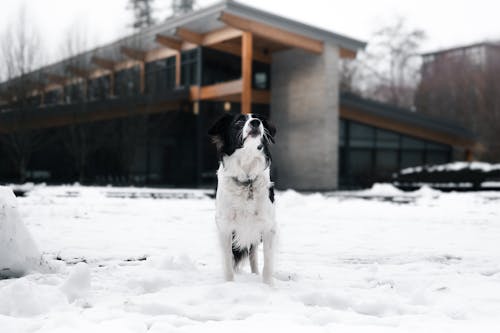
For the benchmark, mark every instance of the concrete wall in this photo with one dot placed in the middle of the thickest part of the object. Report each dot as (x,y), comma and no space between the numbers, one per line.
(305,110)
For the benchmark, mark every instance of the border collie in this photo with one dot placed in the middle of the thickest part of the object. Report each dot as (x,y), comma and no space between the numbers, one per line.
(245,194)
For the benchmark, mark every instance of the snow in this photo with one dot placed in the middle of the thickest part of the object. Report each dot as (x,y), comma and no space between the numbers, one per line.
(347,262)
(454,166)
(18,252)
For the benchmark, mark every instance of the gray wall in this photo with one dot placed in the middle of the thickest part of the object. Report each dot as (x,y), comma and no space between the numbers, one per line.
(304,108)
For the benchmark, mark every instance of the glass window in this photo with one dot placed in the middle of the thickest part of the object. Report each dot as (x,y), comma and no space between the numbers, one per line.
(361,135)
(437,146)
(127,82)
(386,161)
(261,75)
(52,97)
(437,157)
(387,139)
(411,158)
(189,70)
(411,143)
(160,75)
(73,93)
(98,88)
(342,132)
(360,162)
(260,80)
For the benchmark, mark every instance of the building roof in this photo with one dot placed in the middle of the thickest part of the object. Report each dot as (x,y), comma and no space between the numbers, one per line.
(463,47)
(200,21)
(424,126)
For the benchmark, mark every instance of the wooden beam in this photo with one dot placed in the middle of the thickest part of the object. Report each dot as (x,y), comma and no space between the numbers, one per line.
(132,53)
(79,72)
(98,73)
(160,53)
(220,40)
(126,64)
(272,33)
(221,35)
(104,63)
(234,48)
(189,36)
(57,79)
(246,72)
(347,54)
(169,42)
(216,91)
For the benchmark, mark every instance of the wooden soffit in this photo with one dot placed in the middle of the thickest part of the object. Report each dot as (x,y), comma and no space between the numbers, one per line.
(272,33)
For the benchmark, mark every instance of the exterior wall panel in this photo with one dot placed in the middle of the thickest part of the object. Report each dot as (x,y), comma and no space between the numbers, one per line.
(305,109)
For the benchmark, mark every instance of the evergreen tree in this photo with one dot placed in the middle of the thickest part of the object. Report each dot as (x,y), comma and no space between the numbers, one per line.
(180,7)
(143,13)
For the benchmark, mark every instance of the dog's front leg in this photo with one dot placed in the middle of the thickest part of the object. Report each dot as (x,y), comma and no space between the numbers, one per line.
(269,249)
(226,240)
(253,256)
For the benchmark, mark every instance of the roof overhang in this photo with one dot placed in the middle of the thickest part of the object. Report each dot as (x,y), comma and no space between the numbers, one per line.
(404,121)
(205,21)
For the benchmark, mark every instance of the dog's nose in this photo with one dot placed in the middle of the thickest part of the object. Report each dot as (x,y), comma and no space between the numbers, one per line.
(255,123)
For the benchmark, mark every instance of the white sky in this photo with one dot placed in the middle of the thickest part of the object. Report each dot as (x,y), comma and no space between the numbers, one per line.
(447,22)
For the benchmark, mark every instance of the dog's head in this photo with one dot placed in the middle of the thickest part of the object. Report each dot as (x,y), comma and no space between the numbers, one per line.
(232,132)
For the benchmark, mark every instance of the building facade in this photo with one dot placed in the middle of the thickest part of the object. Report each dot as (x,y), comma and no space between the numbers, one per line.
(461,85)
(137,111)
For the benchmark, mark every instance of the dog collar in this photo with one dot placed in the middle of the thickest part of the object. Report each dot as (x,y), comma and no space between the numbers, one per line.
(247,185)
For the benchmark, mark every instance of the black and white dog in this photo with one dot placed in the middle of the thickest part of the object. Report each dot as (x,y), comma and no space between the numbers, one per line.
(245,214)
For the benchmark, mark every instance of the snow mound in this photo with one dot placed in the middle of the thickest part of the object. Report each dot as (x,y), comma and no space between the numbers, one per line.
(24,298)
(18,251)
(78,283)
(380,189)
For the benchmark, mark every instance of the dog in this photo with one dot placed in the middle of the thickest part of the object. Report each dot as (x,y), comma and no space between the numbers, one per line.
(244,202)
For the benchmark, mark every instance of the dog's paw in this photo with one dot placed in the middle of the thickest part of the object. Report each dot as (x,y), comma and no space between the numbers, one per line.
(268,280)
(267,277)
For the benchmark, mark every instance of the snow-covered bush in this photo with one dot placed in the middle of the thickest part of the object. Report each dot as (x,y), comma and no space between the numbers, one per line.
(18,251)
(456,175)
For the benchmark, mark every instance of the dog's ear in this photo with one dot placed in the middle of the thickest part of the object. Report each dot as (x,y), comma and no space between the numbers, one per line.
(216,132)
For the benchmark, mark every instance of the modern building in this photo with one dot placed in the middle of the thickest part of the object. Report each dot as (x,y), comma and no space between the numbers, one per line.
(461,84)
(137,110)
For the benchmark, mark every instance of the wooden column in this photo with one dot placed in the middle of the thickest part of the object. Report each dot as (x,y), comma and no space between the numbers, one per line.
(469,156)
(246,72)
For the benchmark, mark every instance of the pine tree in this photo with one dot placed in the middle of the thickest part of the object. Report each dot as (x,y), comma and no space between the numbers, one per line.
(143,13)
(180,7)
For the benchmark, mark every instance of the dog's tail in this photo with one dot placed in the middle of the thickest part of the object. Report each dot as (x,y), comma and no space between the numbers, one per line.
(239,253)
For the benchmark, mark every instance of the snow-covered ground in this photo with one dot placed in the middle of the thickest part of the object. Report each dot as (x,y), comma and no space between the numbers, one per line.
(124,261)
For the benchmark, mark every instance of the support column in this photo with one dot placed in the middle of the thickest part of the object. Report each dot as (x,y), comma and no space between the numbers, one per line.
(246,72)
(469,156)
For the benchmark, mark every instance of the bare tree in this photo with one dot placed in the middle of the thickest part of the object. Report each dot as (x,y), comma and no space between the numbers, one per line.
(75,136)
(464,89)
(20,52)
(389,69)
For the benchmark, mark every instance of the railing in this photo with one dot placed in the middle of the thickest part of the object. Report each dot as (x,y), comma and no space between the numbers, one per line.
(12,119)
